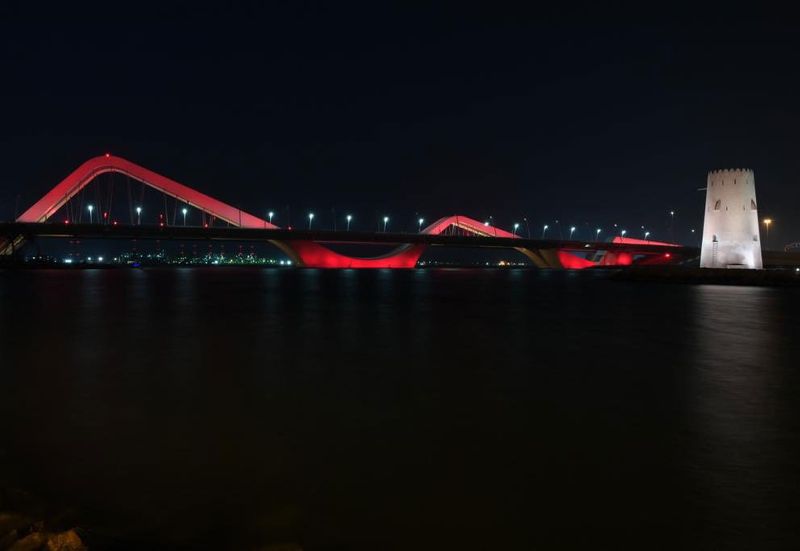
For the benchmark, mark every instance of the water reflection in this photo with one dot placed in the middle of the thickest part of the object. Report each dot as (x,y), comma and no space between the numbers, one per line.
(737,416)
(431,409)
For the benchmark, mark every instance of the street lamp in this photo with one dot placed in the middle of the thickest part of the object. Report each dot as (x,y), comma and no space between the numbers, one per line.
(138,216)
(385,221)
(571,231)
(419,225)
(597,234)
(767,223)
(270,214)
(310,219)
(672,225)
(544,230)
(622,233)
(185,211)
(349,218)
(516,227)
(646,235)
(91,208)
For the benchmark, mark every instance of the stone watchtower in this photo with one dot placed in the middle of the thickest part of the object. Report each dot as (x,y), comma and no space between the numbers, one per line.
(730,228)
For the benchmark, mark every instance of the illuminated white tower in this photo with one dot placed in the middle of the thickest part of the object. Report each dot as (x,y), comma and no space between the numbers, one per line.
(730,228)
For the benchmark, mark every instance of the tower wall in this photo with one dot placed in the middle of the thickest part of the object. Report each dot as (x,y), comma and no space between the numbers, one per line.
(730,229)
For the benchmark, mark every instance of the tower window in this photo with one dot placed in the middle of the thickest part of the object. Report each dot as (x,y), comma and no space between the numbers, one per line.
(718,204)
(752,204)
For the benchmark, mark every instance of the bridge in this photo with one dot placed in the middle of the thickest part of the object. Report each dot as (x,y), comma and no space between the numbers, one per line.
(312,248)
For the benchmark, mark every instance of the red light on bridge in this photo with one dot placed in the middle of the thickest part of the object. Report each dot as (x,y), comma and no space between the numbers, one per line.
(205,225)
(115,222)
(108,155)
(66,221)
(105,215)
(161,224)
(667,255)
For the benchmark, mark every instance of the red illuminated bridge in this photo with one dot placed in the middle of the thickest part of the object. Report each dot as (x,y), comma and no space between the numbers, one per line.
(311,248)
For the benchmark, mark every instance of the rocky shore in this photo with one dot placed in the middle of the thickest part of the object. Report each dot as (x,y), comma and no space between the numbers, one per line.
(22,533)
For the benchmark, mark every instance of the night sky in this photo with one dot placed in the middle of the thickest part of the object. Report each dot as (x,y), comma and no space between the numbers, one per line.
(591,116)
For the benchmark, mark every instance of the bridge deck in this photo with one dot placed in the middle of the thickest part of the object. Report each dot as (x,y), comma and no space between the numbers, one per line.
(11,230)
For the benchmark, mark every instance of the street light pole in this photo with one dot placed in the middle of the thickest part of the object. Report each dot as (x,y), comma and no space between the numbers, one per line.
(185,211)
(349,218)
(138,216)
(672,225)
(767,223)
(571,231)
(91,209)
(385,222)
(544,230)
(310,219)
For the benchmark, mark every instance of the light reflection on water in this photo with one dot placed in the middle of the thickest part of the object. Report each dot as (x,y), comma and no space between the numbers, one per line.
(424,409)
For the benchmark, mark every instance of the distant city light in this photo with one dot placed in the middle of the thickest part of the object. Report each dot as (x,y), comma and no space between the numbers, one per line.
(67,261)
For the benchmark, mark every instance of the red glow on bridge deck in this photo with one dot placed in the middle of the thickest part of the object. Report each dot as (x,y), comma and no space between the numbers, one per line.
(314,255)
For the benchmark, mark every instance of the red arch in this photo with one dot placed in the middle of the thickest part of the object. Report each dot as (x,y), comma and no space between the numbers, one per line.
(48,205)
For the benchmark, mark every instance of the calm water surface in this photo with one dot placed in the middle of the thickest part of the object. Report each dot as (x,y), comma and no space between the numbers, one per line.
(430,409)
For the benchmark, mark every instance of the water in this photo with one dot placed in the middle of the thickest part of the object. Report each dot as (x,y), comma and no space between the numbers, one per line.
(430,409)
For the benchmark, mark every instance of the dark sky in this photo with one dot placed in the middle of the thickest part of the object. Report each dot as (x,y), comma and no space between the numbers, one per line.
(587,115)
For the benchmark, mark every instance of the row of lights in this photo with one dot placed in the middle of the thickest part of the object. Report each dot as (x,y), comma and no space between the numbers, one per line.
(349,218)
(90,208)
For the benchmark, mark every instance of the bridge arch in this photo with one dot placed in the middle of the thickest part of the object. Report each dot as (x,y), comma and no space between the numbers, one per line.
(57,197)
